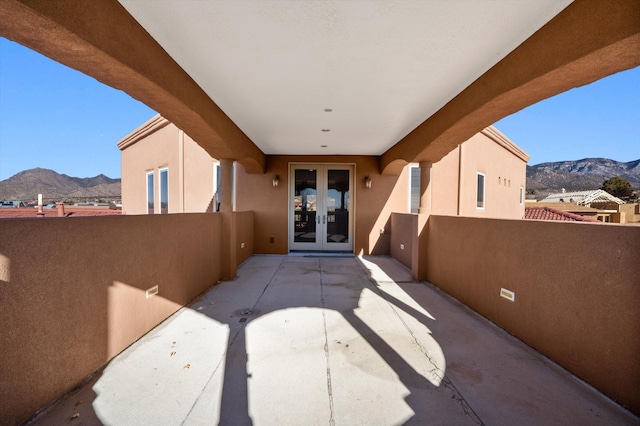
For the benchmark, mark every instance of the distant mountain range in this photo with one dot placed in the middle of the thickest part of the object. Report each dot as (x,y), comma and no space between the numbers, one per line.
(589,173)
(26,186)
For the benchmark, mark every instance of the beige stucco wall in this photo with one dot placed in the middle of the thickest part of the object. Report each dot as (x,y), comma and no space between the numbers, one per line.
(388,194)
(404,230)
(630,213)
(191,185)
(198,177)
(504,175)
(576,290)
(157,150)
(244,229)
(373,206)
(453,178)
(190,172)
(73,294)
(444,184)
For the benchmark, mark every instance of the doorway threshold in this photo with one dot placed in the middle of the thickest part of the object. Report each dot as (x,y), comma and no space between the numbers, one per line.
(321,254)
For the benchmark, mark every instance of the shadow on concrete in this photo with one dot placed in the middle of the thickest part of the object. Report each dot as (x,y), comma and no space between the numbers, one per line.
(326,340)
(337,285)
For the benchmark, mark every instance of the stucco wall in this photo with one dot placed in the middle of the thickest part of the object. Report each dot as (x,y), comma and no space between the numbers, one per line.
(453,178)
(191,185)
(576,290)
(444,184)
(157,150)
(198,177)
(504,175)
(373,206)
(404,229)
(244,236)
(72,294)
(190,172)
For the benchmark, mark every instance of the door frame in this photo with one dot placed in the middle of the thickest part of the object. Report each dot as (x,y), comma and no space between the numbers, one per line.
(347,247)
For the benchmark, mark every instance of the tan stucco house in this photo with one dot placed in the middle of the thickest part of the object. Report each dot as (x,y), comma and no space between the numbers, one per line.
(340,99)
(165,171)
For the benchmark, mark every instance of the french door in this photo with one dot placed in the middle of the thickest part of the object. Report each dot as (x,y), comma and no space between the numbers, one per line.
(320,207)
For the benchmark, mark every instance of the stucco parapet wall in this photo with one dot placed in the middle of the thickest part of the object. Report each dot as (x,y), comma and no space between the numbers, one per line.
(151,126)
(498,137)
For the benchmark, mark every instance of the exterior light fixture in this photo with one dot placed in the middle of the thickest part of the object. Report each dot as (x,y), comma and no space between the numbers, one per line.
(275,181)
(367,182)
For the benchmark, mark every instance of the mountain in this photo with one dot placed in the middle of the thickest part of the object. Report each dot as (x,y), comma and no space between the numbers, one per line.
(28,184)
(588,173)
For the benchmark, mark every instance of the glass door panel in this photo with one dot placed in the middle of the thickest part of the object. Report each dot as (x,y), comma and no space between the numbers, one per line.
(337,202)
(305,205)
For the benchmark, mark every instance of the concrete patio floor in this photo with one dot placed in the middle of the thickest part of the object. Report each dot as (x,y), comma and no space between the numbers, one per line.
(331,340)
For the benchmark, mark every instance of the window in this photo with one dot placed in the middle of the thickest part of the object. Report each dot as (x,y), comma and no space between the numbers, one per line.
(150,194)
(521,195)
(480,192)
(164,190)
(414,189)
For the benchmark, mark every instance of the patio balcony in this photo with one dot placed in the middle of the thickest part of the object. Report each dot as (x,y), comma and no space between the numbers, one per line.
(317,339)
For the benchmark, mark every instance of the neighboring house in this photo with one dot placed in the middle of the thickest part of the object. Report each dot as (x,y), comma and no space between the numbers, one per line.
(610,212)
(165,171)
(595,203)
(14,204)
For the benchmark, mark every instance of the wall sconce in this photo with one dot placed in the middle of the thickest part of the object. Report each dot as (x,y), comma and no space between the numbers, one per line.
(367,182)
(275,181)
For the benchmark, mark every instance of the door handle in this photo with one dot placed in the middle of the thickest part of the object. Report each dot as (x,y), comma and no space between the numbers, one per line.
(324,219)
(318,217)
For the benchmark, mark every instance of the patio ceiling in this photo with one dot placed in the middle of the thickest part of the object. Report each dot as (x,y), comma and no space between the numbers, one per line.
(405,80)
(381,67)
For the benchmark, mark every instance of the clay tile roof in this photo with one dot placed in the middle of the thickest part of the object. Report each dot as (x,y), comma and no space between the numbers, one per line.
(547,213)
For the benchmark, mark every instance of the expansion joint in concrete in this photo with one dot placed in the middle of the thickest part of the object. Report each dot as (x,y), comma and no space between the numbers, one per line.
(326,349)
(232,340)
(437,370)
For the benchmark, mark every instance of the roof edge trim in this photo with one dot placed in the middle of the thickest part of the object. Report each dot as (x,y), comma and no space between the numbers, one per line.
(501,139)
(154,124)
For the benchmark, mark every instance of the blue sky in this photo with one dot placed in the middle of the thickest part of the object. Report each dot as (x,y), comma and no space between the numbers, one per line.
(57,118)
(600,120)
(54,117)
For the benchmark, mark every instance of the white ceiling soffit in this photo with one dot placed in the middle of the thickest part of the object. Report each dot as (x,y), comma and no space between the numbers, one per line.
(382,67)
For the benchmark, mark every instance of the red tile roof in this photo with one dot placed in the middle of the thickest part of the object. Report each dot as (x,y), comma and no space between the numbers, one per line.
(547,213)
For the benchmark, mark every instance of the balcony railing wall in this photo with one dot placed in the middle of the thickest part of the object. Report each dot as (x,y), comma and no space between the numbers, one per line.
(576,287)
(73,292)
